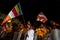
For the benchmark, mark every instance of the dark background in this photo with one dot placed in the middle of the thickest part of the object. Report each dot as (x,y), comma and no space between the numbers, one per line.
(31,8)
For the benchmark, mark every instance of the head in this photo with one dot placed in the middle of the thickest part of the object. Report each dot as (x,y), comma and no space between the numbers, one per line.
(41,12)
(21,26)
(28,24)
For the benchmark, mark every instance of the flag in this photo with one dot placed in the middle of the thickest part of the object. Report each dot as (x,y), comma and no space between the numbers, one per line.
(16,11)
(42,18)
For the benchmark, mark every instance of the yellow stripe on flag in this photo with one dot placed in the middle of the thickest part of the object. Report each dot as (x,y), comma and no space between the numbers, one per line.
(17,9)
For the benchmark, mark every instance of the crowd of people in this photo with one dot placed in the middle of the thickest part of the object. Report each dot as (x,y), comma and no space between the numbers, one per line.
(39,28)
(32,31)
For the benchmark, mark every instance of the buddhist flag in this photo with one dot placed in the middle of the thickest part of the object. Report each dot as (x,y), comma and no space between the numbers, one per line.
(42,18)
(16,11)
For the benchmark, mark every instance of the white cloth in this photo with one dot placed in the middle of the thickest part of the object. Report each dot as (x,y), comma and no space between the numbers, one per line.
(30,34)
(56,34)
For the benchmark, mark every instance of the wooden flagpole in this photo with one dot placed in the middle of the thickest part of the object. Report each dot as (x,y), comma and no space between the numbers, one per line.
(24,20)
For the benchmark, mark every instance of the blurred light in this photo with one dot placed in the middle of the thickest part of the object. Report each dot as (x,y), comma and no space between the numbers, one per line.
(9,21)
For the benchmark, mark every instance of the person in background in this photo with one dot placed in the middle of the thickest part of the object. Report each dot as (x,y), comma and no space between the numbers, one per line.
(20,31)
(3,32)
(41,31)
(30,32)
(28,25)
(15,31)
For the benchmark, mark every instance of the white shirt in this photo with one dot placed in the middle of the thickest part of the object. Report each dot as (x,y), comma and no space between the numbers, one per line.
(30,34)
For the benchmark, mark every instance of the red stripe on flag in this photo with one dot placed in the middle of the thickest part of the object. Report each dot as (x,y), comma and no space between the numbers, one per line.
(15,12)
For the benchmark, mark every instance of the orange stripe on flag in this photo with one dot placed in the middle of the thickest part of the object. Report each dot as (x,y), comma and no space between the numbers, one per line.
(6,19)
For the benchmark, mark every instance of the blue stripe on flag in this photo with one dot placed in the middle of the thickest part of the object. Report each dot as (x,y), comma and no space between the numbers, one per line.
(20,11)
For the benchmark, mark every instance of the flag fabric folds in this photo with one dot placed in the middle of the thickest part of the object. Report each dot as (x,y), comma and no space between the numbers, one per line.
(16,11)
(42,18)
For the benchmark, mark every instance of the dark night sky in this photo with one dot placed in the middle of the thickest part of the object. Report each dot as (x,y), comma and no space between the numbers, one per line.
(31,8)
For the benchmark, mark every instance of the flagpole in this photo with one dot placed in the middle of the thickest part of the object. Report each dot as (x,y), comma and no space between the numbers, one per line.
(24,20)
(22,14)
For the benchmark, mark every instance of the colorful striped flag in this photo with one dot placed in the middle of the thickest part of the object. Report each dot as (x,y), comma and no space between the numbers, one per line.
(16,11)
(41,17)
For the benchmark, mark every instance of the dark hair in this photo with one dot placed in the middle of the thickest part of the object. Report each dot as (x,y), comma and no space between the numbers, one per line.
(38,24)
(15,27)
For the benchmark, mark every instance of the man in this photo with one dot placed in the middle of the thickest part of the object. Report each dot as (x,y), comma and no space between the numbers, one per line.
(20,34)
(14,30)
(30,33)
